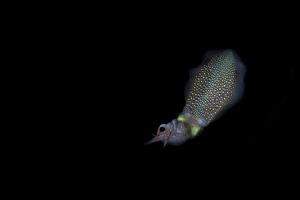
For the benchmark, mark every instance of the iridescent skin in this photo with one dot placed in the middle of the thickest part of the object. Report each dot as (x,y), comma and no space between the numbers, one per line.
(214,86)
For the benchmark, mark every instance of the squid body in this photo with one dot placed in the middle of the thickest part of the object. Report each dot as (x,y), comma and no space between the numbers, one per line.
(213,87)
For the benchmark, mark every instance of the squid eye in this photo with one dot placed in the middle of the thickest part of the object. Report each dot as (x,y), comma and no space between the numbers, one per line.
(161,129)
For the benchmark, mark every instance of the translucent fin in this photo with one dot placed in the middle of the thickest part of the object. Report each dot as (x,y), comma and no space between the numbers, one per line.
(192,75)
(239,91)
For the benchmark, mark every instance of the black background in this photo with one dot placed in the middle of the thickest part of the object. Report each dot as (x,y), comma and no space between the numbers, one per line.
(105,84)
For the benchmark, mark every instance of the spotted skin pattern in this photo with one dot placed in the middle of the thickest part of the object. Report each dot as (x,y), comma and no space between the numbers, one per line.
(213,85)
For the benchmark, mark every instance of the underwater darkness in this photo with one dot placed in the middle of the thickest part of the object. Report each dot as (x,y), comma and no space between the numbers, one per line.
(260,126)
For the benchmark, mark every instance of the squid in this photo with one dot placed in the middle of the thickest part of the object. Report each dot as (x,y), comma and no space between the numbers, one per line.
(213,87)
